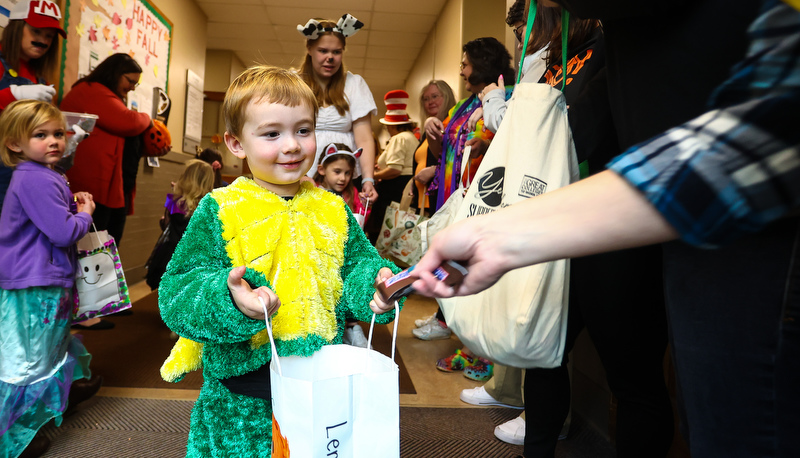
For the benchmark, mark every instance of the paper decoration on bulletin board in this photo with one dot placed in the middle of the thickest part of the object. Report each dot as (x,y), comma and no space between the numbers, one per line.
(97,29)
(5,9)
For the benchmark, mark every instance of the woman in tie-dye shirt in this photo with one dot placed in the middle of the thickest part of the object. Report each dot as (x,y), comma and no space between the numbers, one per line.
(483,61)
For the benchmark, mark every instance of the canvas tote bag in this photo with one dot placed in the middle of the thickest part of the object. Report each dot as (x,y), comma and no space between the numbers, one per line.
(341,401)
(399,239)
(521,320)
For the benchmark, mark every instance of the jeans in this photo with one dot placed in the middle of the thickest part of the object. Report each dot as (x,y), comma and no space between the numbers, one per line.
(734,317)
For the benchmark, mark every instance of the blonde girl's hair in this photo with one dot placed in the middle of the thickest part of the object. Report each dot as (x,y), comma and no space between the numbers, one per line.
(195,182)
(447,94)
(263,82)
(333,93)
(17,123)
(42,67)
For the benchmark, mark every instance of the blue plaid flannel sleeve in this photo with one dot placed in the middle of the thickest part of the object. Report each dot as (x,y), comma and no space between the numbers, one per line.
(736,168)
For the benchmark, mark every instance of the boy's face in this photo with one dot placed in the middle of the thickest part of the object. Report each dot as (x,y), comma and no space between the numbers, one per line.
(279,144)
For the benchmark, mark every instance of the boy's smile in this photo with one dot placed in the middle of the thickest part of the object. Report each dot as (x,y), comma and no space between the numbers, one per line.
(279,144)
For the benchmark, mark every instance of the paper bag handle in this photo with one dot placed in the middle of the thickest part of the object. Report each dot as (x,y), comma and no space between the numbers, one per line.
(99,242)
(269,333)
(369,339)
(394,333)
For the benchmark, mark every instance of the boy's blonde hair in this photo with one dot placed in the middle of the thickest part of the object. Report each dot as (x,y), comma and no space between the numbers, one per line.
(195,182)
(17,123)
(264,83)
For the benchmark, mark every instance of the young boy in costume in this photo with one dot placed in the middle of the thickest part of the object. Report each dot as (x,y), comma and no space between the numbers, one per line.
(272,237)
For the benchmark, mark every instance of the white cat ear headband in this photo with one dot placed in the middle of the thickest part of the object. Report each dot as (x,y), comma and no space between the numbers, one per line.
(331,151)
(347,26)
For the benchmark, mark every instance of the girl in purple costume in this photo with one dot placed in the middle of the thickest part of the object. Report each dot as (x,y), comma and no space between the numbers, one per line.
(40,224)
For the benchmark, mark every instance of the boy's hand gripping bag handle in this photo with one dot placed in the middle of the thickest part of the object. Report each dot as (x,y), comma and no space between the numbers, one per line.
(369,339)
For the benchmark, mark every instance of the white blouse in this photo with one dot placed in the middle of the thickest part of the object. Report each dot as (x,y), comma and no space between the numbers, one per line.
(334,128)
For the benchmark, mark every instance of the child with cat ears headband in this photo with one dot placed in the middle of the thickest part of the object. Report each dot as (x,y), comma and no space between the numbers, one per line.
(335,173)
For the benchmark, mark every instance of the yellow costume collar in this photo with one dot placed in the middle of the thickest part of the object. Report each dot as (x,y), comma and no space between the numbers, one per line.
(298,245)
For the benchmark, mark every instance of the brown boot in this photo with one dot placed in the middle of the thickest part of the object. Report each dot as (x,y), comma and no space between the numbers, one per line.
(82,390)
(37,447)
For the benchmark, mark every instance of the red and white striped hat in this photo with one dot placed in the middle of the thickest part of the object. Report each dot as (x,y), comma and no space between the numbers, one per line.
(396,102)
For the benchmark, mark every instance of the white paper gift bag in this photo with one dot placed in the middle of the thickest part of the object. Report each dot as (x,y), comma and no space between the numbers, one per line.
(342,401)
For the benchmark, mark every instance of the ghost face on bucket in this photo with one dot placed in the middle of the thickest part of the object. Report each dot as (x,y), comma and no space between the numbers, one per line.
(97,283)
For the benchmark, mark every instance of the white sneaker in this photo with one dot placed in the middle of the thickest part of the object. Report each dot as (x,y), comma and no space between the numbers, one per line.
(423,321)
(432,331)
(354,336)
(479,397)
(512,431)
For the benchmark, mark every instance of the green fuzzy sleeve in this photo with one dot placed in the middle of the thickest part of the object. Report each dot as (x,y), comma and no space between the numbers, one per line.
(193,295)
(361,265)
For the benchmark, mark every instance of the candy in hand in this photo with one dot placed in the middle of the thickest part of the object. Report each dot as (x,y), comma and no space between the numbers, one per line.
(393,288)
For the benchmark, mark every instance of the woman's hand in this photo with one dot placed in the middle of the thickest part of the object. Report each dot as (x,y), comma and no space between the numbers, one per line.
(491,87)
(247,299)
(368,191)
(425,175)
(476,116)
(478,147)
(468,243)
(434,129)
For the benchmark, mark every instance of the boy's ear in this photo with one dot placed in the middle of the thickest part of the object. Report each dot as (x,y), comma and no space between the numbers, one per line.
(234,145)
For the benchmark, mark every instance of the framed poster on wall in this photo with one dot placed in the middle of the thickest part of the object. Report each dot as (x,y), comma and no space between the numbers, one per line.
(97,29)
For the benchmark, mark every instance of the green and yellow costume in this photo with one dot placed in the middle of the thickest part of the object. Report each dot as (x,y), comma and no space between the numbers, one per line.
(309,250)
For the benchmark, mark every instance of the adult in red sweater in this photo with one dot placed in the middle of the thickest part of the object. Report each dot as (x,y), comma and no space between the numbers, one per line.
(98,159)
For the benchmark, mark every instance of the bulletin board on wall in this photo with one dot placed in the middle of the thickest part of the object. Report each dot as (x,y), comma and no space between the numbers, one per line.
(97,29)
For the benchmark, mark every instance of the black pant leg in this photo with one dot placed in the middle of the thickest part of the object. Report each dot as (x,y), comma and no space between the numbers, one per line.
(621,300)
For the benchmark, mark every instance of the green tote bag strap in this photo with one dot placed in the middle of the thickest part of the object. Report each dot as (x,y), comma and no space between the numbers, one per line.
(564,39)
(528,28)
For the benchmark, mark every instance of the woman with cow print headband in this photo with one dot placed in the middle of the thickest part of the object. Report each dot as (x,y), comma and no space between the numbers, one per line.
(346,105)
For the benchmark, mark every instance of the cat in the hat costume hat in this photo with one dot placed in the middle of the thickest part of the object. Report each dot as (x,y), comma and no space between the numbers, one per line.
(395,166)
(396,103)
